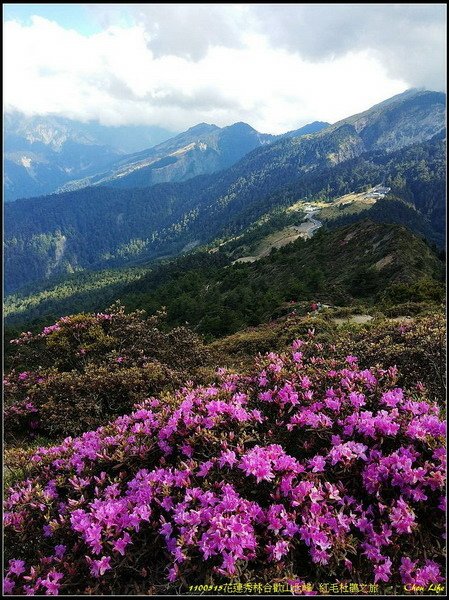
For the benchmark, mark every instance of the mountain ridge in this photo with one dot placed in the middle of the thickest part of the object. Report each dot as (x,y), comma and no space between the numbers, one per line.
(42,153)
(335,266)
(168,217)
(201,150)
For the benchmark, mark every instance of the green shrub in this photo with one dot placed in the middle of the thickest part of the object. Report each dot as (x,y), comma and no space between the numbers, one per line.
(88,368)
(408,309)
(416,347)
(422,290)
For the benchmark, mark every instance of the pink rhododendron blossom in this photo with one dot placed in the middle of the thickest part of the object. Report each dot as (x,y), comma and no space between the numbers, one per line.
(305,457)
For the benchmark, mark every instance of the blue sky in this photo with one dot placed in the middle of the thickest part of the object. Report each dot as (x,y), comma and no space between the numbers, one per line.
(84,18)
(75,16)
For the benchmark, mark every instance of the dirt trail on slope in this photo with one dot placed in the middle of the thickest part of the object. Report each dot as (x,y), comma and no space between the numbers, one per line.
(288,235)
(359,319)
(362,319)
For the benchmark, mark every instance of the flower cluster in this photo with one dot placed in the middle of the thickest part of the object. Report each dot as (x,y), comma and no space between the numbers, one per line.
(85,369)
(298,466)
(417,347)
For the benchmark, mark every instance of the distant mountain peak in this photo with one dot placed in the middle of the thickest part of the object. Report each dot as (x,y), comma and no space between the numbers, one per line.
(410,93)
(241,125)
(202,128)
(307,129)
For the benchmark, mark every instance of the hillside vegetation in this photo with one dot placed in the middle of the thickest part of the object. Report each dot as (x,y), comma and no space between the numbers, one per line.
(364,261)
(311,459)
(225,369)
(101,227)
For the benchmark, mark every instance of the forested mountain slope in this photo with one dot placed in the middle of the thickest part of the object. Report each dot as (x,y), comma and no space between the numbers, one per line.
(41,153)
(359,261)
(98,227)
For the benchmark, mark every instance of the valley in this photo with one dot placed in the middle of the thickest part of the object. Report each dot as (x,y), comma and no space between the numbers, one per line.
(348,204)
(364,262)
(161,220)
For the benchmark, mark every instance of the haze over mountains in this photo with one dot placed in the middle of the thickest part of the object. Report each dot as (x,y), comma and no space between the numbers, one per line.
(399,142)
(41,153)
(51,154)
(200,150)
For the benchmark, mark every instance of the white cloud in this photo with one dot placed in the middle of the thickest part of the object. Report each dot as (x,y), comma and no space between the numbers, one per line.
(409,39)
(271,66)
(189,30)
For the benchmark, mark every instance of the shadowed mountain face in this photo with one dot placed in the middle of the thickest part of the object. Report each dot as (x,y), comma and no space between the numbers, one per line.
(200,150)
(42,153)
(99,227)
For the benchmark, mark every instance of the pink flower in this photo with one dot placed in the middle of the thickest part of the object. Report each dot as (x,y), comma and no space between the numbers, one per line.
(357,400)
(48,531)
(17,567)
(227,458)
(99,567)
(392,397)
(256,462)
(121,543)
(279,550)
(305,382)
(8,585)
(402,517)
(228,565)
(60,550)
(297,344)
(51,583)
(50,329)
(187,450)
(205,467)
(382,572)
(318,463)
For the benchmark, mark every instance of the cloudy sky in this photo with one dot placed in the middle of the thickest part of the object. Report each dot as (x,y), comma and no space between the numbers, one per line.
(275,67)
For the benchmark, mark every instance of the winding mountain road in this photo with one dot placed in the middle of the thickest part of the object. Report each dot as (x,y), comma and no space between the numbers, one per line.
(305,230)
(312,224)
